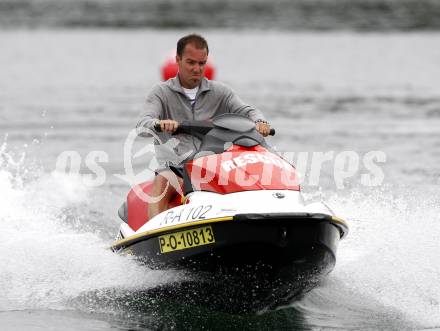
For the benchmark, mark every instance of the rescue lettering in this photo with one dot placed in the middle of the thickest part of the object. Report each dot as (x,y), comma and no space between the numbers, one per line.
(242,160)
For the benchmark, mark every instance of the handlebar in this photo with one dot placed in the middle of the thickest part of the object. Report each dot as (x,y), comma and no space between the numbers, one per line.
(194,127)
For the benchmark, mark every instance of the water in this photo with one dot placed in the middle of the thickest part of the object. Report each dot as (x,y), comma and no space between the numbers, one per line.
(370,15)
(82,91)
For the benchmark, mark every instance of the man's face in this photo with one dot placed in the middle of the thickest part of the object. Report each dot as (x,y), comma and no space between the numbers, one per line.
(191,65)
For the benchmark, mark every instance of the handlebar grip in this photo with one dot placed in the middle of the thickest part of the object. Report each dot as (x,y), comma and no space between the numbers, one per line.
(179,129)
(157,127)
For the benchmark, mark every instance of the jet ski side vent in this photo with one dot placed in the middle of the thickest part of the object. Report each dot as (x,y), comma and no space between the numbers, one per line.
(123,212)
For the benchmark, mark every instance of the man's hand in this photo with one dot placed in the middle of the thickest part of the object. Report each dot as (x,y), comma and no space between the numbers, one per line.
(168,125)
(263,128)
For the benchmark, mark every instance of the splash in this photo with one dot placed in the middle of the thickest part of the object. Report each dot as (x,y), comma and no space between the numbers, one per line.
(47,259)
(390,258)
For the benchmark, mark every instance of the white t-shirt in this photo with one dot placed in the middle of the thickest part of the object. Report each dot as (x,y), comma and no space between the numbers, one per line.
(191,94)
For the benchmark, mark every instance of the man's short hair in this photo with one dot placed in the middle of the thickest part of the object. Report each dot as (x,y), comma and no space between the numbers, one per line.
(197,40)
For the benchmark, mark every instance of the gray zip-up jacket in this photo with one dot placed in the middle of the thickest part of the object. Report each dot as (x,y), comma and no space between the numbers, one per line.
(167,100)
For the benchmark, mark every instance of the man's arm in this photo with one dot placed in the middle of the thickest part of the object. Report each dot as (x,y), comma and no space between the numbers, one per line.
(235,105)
(153,112)
(153,115)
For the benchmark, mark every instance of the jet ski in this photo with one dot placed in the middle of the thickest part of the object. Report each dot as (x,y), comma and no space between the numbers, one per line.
(241,228)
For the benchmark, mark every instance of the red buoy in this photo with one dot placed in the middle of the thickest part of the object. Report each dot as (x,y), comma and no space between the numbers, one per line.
(169,68)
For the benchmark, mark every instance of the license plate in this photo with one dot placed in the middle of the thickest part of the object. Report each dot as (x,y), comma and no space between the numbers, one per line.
(186,239)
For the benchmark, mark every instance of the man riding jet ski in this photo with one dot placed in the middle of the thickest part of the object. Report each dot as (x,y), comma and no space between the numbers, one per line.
(231,214)
(188,96)
(241,227)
